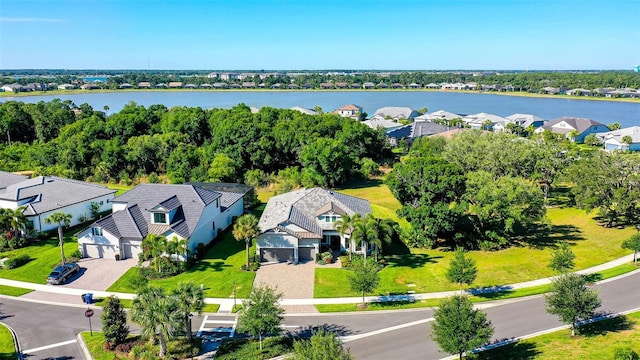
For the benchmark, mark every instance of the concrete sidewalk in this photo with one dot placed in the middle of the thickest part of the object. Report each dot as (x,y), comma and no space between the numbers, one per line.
(226,303)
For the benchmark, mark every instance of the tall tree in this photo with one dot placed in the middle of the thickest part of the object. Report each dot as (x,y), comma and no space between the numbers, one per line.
(458,327)
(365,232)
(157,315)
(562,259)
(191,299)
(246,229)
(261,314)
(462,269)
(364,277)
(633,243)
(571,300)
(344,226)
(114,321)
(62,219)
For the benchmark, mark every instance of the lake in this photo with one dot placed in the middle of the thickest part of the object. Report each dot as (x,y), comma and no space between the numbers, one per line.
(627,114)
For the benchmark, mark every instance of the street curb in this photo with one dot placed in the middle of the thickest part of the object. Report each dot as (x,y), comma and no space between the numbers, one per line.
(83,346)
(16,343)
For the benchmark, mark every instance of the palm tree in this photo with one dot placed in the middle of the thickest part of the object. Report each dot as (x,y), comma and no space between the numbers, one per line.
(246,228)
(573,134)
(385,230)
(13,221)
(344,225)
(157,315)
(60,218)
(155,245)
(191,298)
(364,232)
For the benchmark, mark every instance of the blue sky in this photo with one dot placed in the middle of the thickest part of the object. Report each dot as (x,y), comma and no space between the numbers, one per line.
(320,34)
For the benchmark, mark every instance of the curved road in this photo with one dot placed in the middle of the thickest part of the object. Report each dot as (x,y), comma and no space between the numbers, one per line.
(49,331)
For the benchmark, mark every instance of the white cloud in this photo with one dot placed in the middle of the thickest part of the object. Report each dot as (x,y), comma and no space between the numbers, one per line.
(29,20)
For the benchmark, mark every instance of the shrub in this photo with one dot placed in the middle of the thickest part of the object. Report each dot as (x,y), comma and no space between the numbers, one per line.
(327,257)
(624,353)
(17,261)
(345,261)
(76,254)
(322,262)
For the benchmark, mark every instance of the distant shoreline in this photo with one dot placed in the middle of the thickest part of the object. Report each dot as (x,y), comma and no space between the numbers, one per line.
(503,93)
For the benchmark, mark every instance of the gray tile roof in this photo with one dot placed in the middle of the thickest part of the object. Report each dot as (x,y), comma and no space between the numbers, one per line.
(396,112)
(580,124)
(7,178)
(300,207)
(49,193)
(188,200)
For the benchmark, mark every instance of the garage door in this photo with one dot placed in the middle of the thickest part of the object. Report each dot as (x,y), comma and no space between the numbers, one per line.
(131,250)
(276,255)
(100,251)
(306,253)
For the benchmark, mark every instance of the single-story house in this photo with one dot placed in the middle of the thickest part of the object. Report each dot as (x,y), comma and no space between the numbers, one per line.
(526,120)
(175,84)
(12,87)
(438,115)
(66,87)
(565,125)
(413,131)
(295,226)
(382,123)
(44,195)
(615,140)
(481,121)
(395,113)
(144,85)
(190,212)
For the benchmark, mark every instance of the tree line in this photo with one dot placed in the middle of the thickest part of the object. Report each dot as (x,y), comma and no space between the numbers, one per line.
(531,81)
(186,144)
(487,190)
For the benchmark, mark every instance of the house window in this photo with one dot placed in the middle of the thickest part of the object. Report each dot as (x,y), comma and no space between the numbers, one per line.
(159,218)
(97,231)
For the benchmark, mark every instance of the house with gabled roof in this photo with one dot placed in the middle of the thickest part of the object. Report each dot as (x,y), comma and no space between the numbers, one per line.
(193,212)
(297,225)
(351,111)
(42,196)
(625,139)
(566,125)
(395,113)
(412,131)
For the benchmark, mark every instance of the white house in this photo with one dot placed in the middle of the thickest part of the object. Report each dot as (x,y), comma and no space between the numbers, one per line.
(296,225)
(395,113)
(190,212)
(614,140)
(478,121)
(45,195)
(565,125)
(351,111)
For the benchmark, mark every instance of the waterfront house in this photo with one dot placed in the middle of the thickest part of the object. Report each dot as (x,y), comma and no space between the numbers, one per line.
(66,87)
(304,110)
(566,125)
(368,85)
(144,85)
(175,84)
(12,88)
(526,120)
(484,121)
(412,131)
(395,113)
(297,225)
(351,111)
(626,139)
(126,86)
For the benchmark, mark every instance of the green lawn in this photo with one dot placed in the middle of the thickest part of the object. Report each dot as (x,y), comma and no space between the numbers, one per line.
(509,294)
(217,272)
(121,189)
(13,291)
(426,268)
(7,348)
(44,256)
(598,341)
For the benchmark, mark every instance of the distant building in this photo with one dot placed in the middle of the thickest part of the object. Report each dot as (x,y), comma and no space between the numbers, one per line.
(351,111)
(566,125)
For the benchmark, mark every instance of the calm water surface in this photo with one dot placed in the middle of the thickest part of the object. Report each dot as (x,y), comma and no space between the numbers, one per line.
(627,114)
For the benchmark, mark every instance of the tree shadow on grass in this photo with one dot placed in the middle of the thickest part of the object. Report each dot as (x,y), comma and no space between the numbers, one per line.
(210,266)
(618,323)
(360,184)
(514,351)
(561,196)
(492,292)
(397,247)
(412,261)
(543,236)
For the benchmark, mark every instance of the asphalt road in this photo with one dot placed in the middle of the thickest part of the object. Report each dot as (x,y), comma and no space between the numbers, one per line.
(375,335)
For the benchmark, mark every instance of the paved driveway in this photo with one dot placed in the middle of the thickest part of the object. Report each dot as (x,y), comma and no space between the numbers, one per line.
(293,281)
(98,274)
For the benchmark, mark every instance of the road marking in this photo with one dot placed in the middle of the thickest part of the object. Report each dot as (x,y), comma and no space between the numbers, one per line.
(382,331)
(219,321)
(28,351)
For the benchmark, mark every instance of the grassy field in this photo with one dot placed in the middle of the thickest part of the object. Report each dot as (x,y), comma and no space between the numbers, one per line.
(13,291)
(7,348)
(218,272)
(423,270)
(44,256)
(121,189)
(502,295)
(597,341)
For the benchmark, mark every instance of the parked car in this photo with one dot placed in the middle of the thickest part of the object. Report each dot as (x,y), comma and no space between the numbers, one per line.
(61,273)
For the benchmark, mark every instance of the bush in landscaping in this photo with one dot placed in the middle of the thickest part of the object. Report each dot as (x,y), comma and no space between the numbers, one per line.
(322,262)
(17,261)
(233,349)
(345,261)
(253,266)
(327,257)
(624,353)
(76,254)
